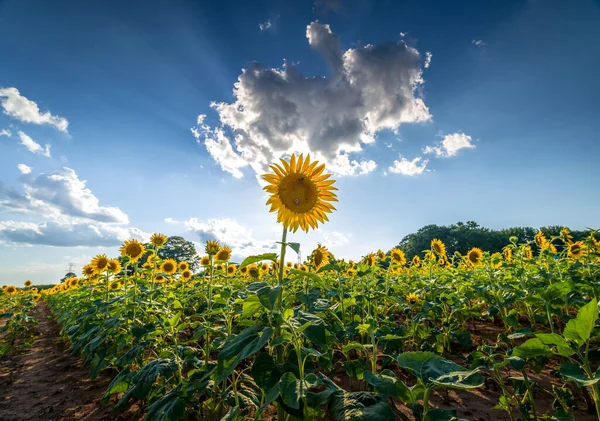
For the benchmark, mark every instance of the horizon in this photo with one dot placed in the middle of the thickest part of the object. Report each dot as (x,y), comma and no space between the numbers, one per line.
(119,122)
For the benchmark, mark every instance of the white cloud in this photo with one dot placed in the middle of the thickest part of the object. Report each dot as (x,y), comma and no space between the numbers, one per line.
(17,106)
(268,24)
(32,146)
(5,132)
(478,43)
(278,111)
(51,233)
(59,195)
(25,169)
(428,57)
(231,233)
(334,238)
(406,167)
(450,145)
(170,220)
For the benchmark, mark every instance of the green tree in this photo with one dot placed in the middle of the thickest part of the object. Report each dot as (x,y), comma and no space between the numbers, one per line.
(181,250)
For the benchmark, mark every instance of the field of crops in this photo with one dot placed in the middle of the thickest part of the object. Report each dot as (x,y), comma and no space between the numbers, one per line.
(379,338)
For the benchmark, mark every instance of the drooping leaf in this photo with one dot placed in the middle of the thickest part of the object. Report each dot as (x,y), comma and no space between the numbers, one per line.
(532,348)
(556,341)
(574,372)
(170,407)
(291,390)
(253,259)
(433,370)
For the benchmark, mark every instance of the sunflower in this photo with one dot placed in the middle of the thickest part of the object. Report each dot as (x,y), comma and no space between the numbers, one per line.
(27,283)
(88,271)
(186,274)
(416,261)
(231,270)
(527,253)
(370,259)
(576,250)
(158,240)
(212,247)
(205,261)
(413,298)
(381,255)
(224,254)
(288,265)
(304,268)
(10,289)
(4,287)
(183,266)
(300,193)
(474,255)
(351,263)
(566,235)
(36,297)
(34,290)
(159,279)
(169,267)
(507,252)
(253,271)
(438,247)
(244,271)
(99,263)
(398,256)
(133,249)
(320,256)
(541,241)
(219,266)
(351,272)
(264,267)
(496,259)
(114,285)
(114,266)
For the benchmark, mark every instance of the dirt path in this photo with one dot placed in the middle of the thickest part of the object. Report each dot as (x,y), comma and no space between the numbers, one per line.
(47,383)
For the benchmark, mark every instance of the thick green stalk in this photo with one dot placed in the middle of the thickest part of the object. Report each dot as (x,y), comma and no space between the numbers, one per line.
(280,356)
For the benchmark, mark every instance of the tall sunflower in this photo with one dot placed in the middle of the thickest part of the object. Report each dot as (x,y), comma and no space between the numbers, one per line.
(231,269)
(114,266)
(133,249)
(212,247)
(87,271)
(27,283)
(438,247)
(474,255)
(183,266)
(398,256)
(224,254)
(300,193)
(576,250)
(169,267)
(158,240)
(99,263)
(320,256)
(370,259)
(186,274)
(415,262)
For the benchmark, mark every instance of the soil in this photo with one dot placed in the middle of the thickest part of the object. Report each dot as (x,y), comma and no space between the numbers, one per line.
(47,383)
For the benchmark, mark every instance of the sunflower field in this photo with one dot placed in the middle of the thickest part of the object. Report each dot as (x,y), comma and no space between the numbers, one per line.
(379,338)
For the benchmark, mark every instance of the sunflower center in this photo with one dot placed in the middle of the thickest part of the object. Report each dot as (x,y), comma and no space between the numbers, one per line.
(298,193)
(133,250)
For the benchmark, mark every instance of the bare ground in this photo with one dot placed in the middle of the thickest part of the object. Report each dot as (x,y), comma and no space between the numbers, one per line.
(47,383)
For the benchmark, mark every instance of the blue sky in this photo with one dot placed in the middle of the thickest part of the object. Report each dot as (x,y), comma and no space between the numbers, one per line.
(427,112)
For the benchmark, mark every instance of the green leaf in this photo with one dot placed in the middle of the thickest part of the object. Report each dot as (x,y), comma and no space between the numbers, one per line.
(239,347)
(268,296)
(290,390)
(532,348)
(250,306)
(438,414)
(557,341)
(311,326)
(313,276)
(556,291)
(295,247)
(580,328)
(433,370)
(265,372)
(359,406)
(253,259)
(170,407)
(388,384)
(145,378)
(574,372)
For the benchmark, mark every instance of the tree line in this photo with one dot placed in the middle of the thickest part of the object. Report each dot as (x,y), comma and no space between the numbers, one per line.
(463,236)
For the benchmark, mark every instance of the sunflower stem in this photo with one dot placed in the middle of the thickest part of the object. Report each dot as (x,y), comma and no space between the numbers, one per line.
(280,356)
